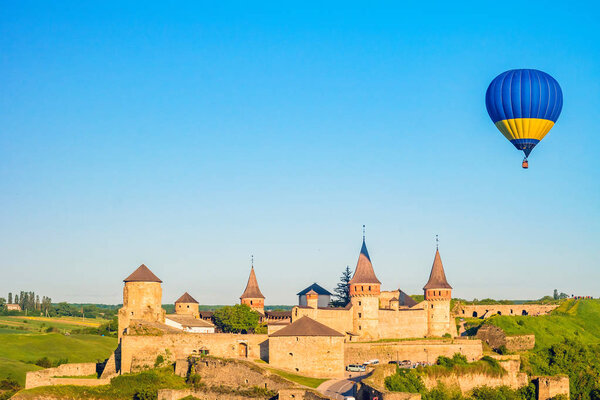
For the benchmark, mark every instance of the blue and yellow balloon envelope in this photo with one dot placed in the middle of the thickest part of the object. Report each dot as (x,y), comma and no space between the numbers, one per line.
(524,104)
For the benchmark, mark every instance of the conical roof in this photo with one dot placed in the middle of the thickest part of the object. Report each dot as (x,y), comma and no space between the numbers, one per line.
(306,326)
(186,298)
(142,274)
(437,278)
(364,272)
(252,290)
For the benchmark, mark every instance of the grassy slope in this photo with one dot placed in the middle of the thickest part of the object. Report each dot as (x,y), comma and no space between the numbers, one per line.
(77,348)
(17,348)
(573,319)
(15,369)
(41,323)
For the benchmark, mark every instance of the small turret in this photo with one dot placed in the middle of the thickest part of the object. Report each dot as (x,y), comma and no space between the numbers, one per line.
(438,294)
(252,295)
(186,305)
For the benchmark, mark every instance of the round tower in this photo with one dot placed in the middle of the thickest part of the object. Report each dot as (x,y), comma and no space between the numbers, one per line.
(252,295)
(142,299)
(186,305)
(364,296)
(438,294)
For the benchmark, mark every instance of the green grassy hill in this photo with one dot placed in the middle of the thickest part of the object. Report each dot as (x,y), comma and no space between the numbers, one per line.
(573,319)
(17,348)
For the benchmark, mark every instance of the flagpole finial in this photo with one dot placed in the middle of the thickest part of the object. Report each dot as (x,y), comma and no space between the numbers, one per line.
(437,242)
(363,232)
(252,260)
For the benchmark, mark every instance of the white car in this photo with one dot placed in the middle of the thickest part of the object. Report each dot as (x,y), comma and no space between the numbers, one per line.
(371,362)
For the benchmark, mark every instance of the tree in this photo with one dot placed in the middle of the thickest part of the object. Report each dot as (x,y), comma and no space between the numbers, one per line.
(9,298)
(555,294)
(2,303)
(342,291)
(237,319)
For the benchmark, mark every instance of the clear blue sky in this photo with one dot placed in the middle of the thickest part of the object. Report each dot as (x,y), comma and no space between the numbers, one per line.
(189,136)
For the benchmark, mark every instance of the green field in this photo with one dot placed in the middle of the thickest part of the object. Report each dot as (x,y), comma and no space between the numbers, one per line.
(23,341)
(574,319)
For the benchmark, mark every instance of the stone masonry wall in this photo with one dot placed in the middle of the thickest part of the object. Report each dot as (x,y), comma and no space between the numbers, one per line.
(335,318)
(486,311)
(551,386)
(48,376)
(496,338)
(237,373)
(139,352)
(317,356)
(403,323)
(414,350)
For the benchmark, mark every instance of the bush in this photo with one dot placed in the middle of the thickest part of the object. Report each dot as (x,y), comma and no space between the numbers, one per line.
(159,360)
(146,394)
(404,380)
(43,362)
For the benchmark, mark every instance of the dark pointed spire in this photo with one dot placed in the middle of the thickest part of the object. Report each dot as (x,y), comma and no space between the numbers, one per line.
(437,277)
(252,290)
(364,272)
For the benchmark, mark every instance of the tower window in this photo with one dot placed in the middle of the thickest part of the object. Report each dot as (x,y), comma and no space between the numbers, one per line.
(369,288)
(188,306)
(250,302)
(359,327)
(359,315)
(359,303)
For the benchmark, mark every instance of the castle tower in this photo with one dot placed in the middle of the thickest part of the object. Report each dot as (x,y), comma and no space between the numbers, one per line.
(186,305)
(438,294)
(312,299)
(364,296)
(252,295)
(142,299)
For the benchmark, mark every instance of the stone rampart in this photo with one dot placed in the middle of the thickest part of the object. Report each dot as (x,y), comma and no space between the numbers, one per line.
(548,387)
(496,338)
(52,376)
(414,350)
(486,311)
(140,352)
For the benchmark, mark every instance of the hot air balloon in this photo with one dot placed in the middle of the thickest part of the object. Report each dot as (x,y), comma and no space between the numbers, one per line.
(524,104)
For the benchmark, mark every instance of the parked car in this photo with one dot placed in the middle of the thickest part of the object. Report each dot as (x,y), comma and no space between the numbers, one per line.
(371,362)
(355,368)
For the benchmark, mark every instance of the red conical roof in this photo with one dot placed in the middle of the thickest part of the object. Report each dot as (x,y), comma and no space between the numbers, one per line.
(364,272)
(186,298)
(252,290)
(142,274)
(437,278)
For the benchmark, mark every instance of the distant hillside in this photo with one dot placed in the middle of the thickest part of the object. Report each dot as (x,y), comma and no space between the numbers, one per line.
(573,319)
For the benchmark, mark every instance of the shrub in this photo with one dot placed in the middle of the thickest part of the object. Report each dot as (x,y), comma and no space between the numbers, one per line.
(159,360)
(404,380)
(146,394)
(43,362)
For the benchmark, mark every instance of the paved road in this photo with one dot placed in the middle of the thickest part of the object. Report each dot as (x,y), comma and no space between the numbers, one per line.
(339,389)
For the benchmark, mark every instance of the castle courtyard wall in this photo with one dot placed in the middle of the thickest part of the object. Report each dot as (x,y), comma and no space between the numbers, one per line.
(414,350)
(403,323)
(318,356)
(140,352)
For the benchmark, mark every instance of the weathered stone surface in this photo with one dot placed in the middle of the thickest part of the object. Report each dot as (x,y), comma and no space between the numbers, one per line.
(51,376)
(548,387)
(414,350)
(496,338)
(486,311)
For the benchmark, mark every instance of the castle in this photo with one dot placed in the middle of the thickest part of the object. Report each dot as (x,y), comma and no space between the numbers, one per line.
(313,338)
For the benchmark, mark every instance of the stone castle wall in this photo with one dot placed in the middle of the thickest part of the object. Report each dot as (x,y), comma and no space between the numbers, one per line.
(139,352)
(414,350)
(486,311)
(51,376)
(403,323)
(496,338)
(318,356)
(551,386)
